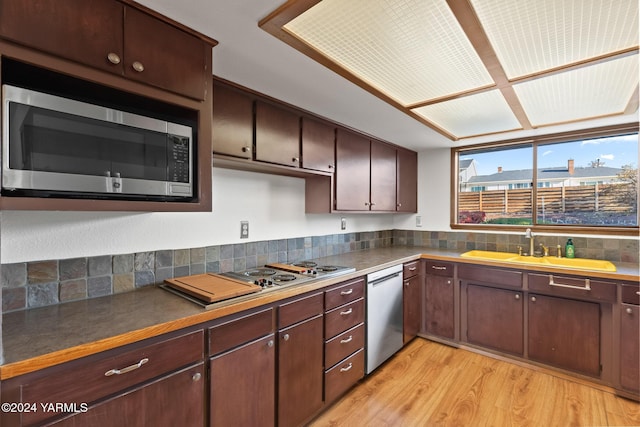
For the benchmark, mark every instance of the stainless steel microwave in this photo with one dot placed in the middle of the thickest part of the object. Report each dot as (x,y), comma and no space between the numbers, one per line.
(55,146)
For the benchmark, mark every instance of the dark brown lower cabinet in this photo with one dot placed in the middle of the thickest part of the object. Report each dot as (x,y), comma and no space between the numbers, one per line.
(411,297)
(630,347)
(495,319)
(170,401)
(243,385)
(300,372)
(565,333)
(439,306)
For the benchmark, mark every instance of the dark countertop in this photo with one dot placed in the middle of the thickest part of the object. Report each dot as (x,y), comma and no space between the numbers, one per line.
(41,337)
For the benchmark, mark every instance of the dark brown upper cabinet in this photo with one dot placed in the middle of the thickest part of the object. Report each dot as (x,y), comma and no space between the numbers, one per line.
(277,135)
(383,177)
(112,37)
(232,122)
(318,145)
(353,171)
(407,181)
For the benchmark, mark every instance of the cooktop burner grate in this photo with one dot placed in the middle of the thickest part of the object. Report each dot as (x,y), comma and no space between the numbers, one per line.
(327,268)
(260,272)
(306,264)
(283,277)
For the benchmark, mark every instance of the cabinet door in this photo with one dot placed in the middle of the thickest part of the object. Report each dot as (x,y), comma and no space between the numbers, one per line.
(243,385)
(352,177)
(495,319)
(232,122)
(177,399)
(277,135)
(300,372)
(407,181)
(383,177)
(439,306)
(162,55)
(86,31)
(565,333)
(411,307)
(318,145)
(630,347)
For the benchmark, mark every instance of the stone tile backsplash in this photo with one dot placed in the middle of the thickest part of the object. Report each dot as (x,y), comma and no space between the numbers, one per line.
(40,283)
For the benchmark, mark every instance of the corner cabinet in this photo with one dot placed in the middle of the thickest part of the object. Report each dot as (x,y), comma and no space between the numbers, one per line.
(439,300)
(407,181)
(629,336)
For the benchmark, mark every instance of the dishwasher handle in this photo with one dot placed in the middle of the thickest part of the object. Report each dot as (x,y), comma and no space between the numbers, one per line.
(385,278)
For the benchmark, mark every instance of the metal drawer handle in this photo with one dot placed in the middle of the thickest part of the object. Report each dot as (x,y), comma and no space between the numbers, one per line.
(586,287)
(346,368)
(344,313)
(349,292)
(629,311)
(637,292)
(127,369)
(437,267)
(413,268)
(351,339)
(137,66)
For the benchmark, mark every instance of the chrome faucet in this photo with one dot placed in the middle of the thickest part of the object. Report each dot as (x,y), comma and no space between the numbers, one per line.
(529,235)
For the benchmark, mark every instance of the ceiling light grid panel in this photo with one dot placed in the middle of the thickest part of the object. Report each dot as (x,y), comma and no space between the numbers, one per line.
(599,90)
(533,36)
(474,115)
(410,50)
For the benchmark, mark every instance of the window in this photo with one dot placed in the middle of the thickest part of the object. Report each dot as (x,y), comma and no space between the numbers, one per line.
(588,182)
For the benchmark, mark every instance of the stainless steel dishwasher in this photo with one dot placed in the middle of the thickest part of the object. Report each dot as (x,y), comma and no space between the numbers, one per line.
(384,315)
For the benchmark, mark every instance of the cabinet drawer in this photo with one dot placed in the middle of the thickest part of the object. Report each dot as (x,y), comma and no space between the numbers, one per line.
(437,268)
(343,345)
(630,294)
(343,376)
(343,294)
(88,381)
(300,309)
(342,318)
(573,287)
(239,331)
(494,276)
(411,269)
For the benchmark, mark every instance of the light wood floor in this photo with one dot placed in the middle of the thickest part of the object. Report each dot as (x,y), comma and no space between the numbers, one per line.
(430,384)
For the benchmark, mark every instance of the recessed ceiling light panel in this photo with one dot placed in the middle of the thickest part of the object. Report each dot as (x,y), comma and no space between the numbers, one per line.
(533,36)
(589,92)
(473,115)
(410,50)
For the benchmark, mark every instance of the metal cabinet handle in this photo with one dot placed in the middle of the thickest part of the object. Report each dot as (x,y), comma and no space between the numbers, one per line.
(344,313)
(367,203)
(533,299)
(246,149)
(346,368)
(127,369)
(196,377)
(449,282)
(137,66)
(270,343)
(347,340)
(637,292)
(586,287)
(330,166)
(438,267)
(286,337)
(114,58)
(372,204)
(517,296)
(629,311)
(349,292)
(295,159)
(399,205)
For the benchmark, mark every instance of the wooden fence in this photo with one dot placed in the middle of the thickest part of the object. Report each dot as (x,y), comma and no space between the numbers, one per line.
(584,198)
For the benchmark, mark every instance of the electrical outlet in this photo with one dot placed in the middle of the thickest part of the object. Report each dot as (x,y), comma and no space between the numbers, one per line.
(418,221)
(343,223)
(244,229)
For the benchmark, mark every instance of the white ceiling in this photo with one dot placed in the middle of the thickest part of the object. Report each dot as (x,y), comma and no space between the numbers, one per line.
(249,56)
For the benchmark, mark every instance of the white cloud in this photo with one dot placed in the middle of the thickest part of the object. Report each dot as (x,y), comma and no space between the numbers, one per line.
(546,153)
(607,156)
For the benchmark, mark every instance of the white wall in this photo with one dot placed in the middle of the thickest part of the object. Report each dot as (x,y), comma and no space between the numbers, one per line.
(273,205)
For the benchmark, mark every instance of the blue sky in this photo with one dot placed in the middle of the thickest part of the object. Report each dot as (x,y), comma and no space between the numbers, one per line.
(614,152)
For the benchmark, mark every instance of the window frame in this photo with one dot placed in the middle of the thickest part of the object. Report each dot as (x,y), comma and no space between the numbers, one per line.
(535,142)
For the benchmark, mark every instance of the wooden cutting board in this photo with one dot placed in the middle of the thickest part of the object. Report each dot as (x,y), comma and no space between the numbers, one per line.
(210,287)
(288,267)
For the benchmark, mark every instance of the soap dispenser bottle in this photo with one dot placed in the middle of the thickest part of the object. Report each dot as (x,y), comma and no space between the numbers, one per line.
(569,250)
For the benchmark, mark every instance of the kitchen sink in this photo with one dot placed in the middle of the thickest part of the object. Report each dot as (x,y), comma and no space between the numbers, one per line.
(572,263)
